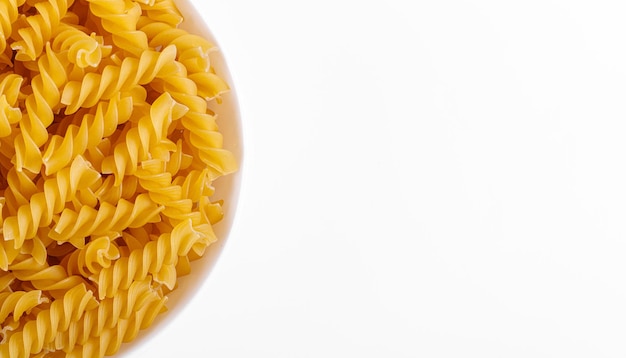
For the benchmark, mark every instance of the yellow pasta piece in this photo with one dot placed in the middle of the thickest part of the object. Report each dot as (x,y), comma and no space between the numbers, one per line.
(38,332)
(38,29)
(18,303)
(119,18)
(108,153)
(81,49)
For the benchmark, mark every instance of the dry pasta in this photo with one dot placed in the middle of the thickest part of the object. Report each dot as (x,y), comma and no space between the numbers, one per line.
(108,152)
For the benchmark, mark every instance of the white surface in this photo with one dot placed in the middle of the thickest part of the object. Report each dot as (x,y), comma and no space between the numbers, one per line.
(445,179)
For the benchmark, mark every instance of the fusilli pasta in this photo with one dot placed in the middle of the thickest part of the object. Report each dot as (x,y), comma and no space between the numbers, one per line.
(108,152)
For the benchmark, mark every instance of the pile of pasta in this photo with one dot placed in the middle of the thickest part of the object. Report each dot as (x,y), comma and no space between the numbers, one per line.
(108,153)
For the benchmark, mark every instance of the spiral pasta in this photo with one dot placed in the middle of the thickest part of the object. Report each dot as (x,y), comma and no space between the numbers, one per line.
(162,10)
(93,127)
(82,49)
(18,303)
(9,12)
(40,208)
(130,73)
(193,50)
(54,280)
(157,258)
(10,114)
(119,18)
(110,311)
(40,108)
(109,147)
(38,333)
(38,28)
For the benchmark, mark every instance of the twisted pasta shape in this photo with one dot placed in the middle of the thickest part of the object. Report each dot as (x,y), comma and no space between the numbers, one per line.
(177,161)
(38,333)
(154,127)
(119,18)
(97,254)
(206,85)
(138,141)
(178,196)
(202,130)
(110,193)
(108,151)
(193,50)
(6,328)
(162,192)
(136,238)
(130,73)
(8,253)
(6,279)
(196,185)
(31,40)
(107,315)
(88,134)
(202,138)
(10,85)
(163,11)
(27,187)
(8,15)
(40,108)
(43,205)
(158,258)
(19,303)
(53,279)
(209,84)
(74,226)
(127,329)
(82,49)
(34,248)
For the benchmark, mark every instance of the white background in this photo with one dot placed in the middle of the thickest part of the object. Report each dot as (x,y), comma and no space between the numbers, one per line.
(421,179)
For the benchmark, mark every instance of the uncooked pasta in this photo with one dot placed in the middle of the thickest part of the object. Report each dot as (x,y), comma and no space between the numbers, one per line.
(108,153)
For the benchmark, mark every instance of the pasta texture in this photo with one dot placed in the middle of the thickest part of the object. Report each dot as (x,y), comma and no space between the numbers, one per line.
(109,148)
